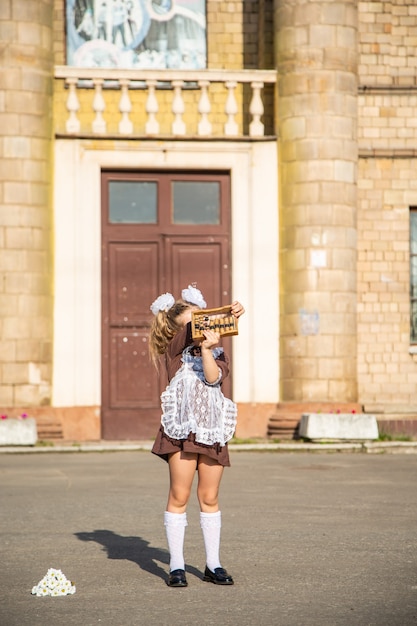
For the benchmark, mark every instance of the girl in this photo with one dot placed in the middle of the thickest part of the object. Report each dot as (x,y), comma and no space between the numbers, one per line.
(197,421)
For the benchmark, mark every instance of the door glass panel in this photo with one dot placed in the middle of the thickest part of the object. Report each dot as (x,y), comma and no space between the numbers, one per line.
(132,202)
(196,202)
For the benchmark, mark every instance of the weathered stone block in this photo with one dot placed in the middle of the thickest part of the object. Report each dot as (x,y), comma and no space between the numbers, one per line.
(18,432)
(350,426)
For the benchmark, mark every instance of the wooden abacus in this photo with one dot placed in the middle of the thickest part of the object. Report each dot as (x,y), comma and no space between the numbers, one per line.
(220,320)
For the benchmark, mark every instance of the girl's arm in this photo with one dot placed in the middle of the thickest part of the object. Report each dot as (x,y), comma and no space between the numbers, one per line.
(210,367)
(173,354)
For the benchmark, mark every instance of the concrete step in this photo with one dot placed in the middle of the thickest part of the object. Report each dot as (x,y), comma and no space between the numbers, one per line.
(49,429)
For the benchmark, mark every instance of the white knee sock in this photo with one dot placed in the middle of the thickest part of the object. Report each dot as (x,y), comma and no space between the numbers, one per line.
(210,525)
(175,524)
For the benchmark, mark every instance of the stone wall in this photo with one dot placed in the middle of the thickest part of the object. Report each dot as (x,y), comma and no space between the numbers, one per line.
(387,42)
(25,212)
(387,372)
(387,188)
(317,109)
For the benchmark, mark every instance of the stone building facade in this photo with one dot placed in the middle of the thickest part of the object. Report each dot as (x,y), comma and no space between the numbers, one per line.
(322,192)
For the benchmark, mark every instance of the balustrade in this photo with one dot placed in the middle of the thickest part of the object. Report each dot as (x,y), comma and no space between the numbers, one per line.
(221,94)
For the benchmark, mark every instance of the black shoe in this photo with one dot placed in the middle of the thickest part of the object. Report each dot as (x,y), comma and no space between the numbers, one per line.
(177,578)
(218,577)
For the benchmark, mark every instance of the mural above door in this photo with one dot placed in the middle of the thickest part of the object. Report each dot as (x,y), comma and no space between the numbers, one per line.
(137,34)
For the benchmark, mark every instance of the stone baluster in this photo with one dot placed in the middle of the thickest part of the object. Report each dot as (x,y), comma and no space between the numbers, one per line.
(231,127)
(99,124)
(125,107)
(256,128)
(204,125)
(178,108)
(73,105)
(152,125)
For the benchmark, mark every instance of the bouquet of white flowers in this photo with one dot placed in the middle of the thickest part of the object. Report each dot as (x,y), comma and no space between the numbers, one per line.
(54,583)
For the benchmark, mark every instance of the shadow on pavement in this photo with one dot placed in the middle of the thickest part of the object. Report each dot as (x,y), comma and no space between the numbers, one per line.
(133,549)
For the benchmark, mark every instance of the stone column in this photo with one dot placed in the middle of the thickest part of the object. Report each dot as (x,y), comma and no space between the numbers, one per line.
(316,54)
(26,71)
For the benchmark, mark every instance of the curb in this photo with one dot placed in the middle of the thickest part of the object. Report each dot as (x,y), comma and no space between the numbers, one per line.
(367,447)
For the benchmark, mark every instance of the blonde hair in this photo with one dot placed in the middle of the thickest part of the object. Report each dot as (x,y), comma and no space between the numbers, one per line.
(163,328)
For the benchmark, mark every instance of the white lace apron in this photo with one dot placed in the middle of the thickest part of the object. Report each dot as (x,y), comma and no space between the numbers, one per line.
(191,405)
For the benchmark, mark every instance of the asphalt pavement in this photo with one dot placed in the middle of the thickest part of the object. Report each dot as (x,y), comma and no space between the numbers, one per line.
(326,539)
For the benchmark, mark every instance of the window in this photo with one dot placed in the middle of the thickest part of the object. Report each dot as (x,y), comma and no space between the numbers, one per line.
(196,202)
(132,202)
(413,275)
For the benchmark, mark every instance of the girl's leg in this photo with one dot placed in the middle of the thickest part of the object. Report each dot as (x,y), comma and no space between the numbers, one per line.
(181,471)
(182,466)
(209,477)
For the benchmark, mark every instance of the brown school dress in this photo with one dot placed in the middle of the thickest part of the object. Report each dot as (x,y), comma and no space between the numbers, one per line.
(164,445)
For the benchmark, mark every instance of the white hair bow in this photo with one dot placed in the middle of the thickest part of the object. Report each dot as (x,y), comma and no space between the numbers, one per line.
(163,303)
(194,296)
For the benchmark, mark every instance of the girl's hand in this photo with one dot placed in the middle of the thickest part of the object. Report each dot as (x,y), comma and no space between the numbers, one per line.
(210,367)
(237,309)
(211,339)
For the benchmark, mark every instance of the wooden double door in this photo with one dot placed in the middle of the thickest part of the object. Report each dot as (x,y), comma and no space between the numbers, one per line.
(161,231)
